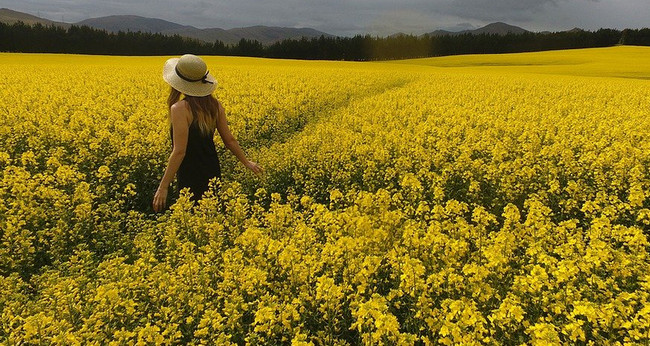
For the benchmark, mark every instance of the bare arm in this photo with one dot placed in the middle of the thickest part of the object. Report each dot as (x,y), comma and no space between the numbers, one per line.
(232,144)
(179,119)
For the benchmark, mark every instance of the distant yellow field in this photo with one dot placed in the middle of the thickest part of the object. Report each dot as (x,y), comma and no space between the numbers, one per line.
(492,199)
(621,62)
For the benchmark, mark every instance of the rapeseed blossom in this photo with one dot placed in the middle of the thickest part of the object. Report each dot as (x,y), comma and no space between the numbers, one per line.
(463,200)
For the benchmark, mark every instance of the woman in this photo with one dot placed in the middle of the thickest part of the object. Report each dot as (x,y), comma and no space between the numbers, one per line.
(193,122)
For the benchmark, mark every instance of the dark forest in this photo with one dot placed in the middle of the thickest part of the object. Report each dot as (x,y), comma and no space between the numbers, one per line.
(20,37)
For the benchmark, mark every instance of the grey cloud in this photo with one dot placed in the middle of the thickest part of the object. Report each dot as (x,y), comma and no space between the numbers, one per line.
(487,10)
(504,10)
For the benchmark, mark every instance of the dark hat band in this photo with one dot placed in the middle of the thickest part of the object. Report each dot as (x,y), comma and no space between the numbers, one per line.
(202,79)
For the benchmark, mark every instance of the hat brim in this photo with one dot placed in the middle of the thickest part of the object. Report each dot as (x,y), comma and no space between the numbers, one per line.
(188,88)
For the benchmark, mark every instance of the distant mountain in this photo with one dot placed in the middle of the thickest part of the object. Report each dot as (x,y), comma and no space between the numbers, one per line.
(271,34)
(10,17)
(498,28)
(130,23)
(207,35)
(446,32)
(574,30)
(263,34)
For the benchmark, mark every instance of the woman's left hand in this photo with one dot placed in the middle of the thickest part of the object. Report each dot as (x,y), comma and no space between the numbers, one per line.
(160,199)
(254,167)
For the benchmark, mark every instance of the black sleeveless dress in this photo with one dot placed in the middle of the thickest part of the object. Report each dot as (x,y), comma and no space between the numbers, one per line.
(200,163)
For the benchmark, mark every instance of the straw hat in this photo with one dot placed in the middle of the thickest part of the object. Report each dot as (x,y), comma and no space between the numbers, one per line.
(189,74)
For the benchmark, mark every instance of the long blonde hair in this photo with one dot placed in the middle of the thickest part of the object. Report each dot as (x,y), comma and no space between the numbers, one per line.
(205,109)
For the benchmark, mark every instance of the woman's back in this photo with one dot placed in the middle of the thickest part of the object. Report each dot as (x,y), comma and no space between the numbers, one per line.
(200,162)
(194,158)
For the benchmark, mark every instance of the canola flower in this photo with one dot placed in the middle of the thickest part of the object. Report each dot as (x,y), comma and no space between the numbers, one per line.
(463,200)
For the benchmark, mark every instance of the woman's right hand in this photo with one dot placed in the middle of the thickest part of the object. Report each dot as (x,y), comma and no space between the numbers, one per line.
(160,199)
(254,167)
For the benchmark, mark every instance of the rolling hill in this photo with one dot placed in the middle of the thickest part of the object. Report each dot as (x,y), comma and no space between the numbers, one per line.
(264,34)
(498,28)
(130,23)
(10,17)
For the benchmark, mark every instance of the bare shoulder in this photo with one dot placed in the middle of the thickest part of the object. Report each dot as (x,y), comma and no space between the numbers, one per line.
(181,109)
(180,106)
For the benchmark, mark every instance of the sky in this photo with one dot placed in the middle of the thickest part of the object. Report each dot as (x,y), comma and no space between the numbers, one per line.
(351,17)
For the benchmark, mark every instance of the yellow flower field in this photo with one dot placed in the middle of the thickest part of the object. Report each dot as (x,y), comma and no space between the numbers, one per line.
(493,199)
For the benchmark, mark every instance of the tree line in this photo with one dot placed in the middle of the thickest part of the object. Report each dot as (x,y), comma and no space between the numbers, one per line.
(38,38)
